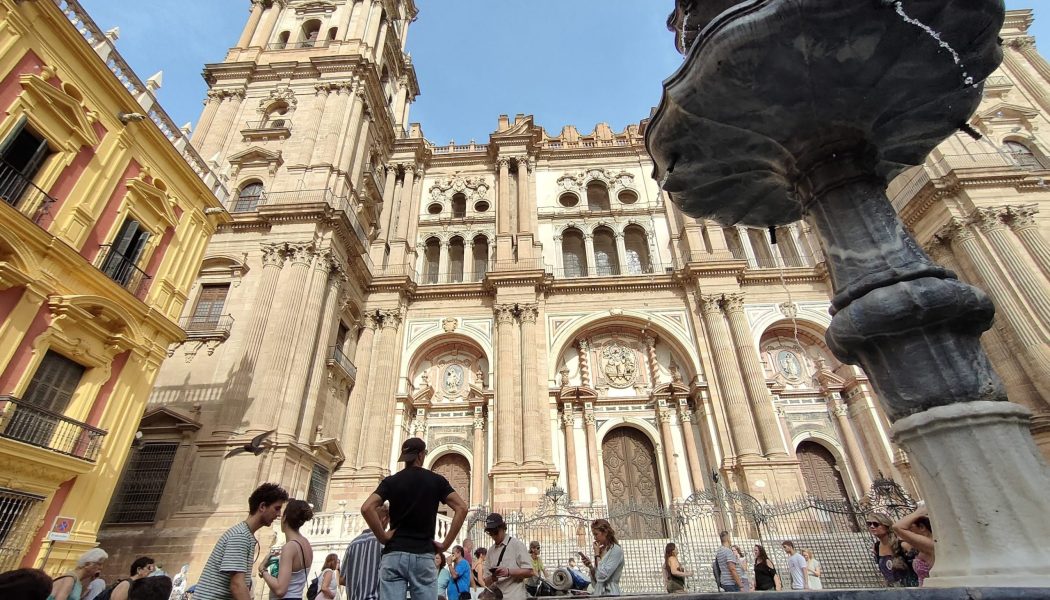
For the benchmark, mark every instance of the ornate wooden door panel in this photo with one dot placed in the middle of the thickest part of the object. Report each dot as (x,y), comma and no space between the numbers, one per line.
(820,472)
(632,483)
(456,469)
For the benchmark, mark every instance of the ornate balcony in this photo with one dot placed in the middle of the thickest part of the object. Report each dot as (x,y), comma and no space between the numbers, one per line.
(37,426)
(17,190)
(278,128)
(340,361)
(123,270)
(207,328)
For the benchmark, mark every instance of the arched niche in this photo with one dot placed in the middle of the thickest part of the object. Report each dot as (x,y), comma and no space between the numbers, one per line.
(619,356)
(793,360)
(448,369)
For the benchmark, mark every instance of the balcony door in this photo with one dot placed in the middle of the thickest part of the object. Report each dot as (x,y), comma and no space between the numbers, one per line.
(47,397)
(124,252)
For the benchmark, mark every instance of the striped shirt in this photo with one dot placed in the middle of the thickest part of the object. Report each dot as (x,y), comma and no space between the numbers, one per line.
(235,552)
(361,567)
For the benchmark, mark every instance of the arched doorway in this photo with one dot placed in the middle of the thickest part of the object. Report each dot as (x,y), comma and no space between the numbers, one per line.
(456,469)
(820,471)
(632,483)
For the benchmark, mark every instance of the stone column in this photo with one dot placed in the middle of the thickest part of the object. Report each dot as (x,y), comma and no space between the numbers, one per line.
(1036,358)
(507,413)
(376,444)
(308,323)
(568,425)
(238,398)
(692,448)
(263,32)
(443,263)
(312,130)
(1033,291)
(357,168)
(359,397)
(1022,221)
(524,210)
(347,17)
(477,475)
(849,439)
(741,429)
(392,188)
(1016,53)
(375,17)
(796,239)
(583,347)
(745,243)
(280,333)
(504,207)
(329,327)
(666,414)
(377,50)
(621,252)
(588,245)
(534,423)
(408,217)
(339,122)
(592,454)
(211,107)
(559,264)
(362,14)
(754,378)
(468,260)
(253,23)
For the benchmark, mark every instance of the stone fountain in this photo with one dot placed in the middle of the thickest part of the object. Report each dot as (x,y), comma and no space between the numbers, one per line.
(785,109)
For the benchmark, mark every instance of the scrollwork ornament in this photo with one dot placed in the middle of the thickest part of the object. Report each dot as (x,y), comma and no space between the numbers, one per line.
(504,313)
(589,418)
(1022,217)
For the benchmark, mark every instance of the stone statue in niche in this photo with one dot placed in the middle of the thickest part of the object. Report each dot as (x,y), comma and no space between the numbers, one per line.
(789,365)
(479,378)
(619,365)
(453,379)
(424,381)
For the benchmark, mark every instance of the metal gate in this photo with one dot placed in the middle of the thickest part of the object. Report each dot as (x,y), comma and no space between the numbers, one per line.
(832,529)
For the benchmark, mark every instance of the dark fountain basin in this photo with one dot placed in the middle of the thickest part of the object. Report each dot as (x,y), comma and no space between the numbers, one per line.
(785,109)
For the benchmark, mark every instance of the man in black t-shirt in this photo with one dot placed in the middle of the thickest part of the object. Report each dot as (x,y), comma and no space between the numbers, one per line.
(409,545)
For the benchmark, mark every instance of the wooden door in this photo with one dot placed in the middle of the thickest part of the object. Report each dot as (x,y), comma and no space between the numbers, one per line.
(456,469)
(821,472)
(632,484)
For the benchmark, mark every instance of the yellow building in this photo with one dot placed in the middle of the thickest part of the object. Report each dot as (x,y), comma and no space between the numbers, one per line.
(105,216)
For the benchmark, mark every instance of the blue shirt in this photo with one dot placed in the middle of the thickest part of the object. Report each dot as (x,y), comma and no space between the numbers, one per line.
(462,581)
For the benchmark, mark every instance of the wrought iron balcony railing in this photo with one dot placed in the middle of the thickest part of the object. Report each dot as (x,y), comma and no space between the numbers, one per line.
(207,326)
(337,358)
(20,192)
(608,271)
(275,123)
(37,426)
(293,197)
(298,45)
(123,270)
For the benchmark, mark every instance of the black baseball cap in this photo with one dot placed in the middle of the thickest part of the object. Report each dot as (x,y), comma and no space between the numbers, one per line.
(494,521)
(411,449)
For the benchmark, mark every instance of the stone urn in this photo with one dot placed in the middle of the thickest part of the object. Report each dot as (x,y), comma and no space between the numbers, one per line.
(789,109)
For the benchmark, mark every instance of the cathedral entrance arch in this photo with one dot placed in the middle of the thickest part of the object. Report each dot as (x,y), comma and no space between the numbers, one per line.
(821,472)
(456,469)
(631,483)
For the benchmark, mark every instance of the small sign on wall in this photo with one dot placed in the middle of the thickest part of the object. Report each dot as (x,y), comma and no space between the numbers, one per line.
(61,529)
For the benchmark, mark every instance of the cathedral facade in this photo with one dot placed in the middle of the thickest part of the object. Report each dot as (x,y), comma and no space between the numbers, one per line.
(534,306)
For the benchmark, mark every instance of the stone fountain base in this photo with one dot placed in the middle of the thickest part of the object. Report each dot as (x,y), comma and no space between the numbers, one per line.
(976,593)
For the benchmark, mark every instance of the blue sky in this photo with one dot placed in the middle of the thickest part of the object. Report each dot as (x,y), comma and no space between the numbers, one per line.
(573,62)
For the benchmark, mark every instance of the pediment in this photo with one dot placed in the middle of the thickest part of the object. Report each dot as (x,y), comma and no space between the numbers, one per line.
(1005,110)
(102,314)
(314,7)
(329,450)
(672,390)
(256,156)
(166,420)
(578,393)
(69,121)
(154,205)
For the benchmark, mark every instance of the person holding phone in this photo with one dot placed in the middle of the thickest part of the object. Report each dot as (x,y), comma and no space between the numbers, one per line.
(509,562)
(608,559)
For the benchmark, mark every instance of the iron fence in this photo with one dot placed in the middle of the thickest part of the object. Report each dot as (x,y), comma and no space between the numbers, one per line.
(207,325)
(20,192)
(37,426)
(18,513)
(336,356)
(831,529)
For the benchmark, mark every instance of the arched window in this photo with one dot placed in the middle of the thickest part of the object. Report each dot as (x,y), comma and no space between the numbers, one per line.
(597,196)
(573,253)
(432,257)
(481,257)
(459,206)
(760,245)
(638,260)
(311,30)
(455,260)
(606,261)
(332,33)
(249,197)
(282,40)
(276,115)
(1022,155)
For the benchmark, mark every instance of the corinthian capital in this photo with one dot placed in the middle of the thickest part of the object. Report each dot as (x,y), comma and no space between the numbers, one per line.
(988,219)
(301,253)
(391,318)
(528,312)
(1021,217)
(504,313)
(710,305)
(954,229)
(523,161)
(733,303)
(1021,42)
(503,162)
(273,255)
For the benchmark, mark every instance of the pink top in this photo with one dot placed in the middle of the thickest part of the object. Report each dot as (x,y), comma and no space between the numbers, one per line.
(921,568)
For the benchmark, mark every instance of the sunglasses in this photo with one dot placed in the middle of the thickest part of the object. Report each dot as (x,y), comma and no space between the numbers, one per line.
(875,524)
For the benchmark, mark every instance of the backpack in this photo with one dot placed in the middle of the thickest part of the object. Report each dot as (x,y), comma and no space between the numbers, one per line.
(312,591)
(716,570)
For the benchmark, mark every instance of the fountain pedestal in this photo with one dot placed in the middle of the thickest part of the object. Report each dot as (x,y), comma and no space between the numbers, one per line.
(787,109)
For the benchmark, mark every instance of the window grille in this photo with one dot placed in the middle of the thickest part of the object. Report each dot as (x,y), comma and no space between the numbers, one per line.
(209,307)
(140,491)
(318,488)
(18,513)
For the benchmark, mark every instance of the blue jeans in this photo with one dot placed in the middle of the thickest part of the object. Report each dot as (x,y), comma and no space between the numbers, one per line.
(403,572)
(730,587)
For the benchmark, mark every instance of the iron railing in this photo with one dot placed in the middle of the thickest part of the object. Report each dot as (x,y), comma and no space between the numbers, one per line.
(291,197)
(38,426)
(20,192)
(207,325)
(298,45)
(451,277)
(608,271)
(337,358)
(276,123)
(123,270)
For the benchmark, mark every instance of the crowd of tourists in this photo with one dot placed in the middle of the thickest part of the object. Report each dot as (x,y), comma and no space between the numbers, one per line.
(396,556)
